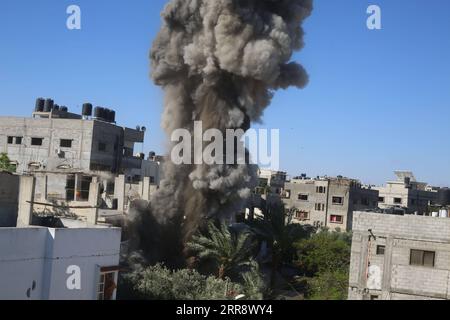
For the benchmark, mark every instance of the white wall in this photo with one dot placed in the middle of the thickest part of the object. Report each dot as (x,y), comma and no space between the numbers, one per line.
(43,255)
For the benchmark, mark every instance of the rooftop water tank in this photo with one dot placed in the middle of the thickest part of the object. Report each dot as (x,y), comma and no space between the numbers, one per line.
(443,213)
(48,105)
(87,110)
(40,102)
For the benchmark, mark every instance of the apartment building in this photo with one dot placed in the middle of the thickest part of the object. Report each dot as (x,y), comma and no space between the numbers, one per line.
(327,202)
(66,152)
(405,192)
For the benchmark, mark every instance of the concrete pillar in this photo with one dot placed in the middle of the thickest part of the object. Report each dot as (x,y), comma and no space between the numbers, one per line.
(146,189)
(26,197)
(119,192)
(94,201)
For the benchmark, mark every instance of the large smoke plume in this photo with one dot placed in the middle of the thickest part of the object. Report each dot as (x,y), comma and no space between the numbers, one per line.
(220,62)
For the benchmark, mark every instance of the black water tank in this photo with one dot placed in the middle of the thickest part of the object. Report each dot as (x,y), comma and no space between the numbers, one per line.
(39,105)
(98,112)
(107,115)
(87,110)
(56,107)
(113,116)
(64,109)
(444,197)
(48,105)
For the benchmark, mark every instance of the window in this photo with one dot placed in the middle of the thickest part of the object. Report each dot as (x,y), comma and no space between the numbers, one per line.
(70,188)
(336,219)
(303,197)
(321,189)
(106,288)
(64,143)
(373,297)
(37,141)
(422,258)
(83,193)
(286,194)
(302,215)
(102,146)
(152,180)
(381,199)
(14,140)
(320,207)
(398,200)
(338,201)
(381,250)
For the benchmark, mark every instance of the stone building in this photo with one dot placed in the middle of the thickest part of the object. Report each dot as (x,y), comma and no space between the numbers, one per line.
(327,202)
(400,257)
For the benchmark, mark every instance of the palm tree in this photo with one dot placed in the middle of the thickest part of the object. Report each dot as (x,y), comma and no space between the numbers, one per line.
(230,251)
(278,231)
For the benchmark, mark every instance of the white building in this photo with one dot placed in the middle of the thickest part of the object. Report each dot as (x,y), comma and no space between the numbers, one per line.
(59,264)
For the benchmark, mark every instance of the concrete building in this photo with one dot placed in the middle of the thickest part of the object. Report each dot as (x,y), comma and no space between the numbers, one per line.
(327,202)
(407,193)
(400,257)
(59,264)
(68,154)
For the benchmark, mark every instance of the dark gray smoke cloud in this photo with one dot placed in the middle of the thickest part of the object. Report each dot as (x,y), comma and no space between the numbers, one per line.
(219,62)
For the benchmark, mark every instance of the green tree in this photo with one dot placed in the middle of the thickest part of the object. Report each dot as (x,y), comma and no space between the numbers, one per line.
(324,260)
(160,283)
(277,229)
(230,251)
(5,163)
(324,252)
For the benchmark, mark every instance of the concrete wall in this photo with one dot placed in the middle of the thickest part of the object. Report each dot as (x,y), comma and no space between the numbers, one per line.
(390,276)
(9,192)
(52,131)
(41,256)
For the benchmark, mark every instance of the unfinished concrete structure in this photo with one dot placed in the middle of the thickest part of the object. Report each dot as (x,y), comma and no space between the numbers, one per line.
(414,197)
(400,257)
(327,202)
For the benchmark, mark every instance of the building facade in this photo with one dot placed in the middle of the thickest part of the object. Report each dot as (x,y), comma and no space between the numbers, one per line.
(400,257)
(327,202)
(59,264)
(405,192)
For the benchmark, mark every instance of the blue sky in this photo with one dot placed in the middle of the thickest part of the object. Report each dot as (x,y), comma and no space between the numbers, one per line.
(377,100)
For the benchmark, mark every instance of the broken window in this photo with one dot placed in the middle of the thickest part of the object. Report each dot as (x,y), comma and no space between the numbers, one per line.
(381,199)
(37,141)
(422,258)
(338,200)
(398,200)
(303,197)
(10,140)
